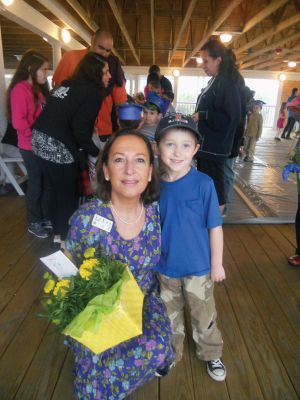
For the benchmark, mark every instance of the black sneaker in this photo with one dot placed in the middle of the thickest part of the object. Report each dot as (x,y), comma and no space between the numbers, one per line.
(161,372)
(36,229)
(56,245)
(46,224)
(216,370)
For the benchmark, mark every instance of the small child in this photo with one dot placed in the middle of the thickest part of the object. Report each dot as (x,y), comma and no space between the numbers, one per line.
(130,115)
(281,122)
(153,112)
(192,242)
(253,131)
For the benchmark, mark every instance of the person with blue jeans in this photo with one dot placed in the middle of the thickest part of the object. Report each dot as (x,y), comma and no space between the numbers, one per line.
(291,117)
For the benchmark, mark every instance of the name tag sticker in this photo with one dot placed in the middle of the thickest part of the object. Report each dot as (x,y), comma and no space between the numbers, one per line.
(102,223)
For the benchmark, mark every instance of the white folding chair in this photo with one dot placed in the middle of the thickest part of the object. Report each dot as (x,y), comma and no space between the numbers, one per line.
(10,176)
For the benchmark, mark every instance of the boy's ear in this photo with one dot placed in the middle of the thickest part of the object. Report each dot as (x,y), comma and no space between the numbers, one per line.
(196,148)
(160,116)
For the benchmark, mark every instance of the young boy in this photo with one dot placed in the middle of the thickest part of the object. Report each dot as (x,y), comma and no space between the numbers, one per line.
(192,242)
(253,131)
(153,112)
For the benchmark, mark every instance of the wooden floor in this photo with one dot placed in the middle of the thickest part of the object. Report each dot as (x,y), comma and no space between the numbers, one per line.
(259,315)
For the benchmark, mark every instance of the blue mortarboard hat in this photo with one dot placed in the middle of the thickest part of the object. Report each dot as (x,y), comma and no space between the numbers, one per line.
(259,103)
(158,101)
(130,112)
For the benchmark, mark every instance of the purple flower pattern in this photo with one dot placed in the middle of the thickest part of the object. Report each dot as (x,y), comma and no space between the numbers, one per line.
(120,370)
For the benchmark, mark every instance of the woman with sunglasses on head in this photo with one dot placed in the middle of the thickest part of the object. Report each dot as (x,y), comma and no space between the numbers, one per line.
(26,97)
(62,137)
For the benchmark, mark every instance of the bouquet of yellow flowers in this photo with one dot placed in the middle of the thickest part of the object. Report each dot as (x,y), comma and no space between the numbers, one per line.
(100,306)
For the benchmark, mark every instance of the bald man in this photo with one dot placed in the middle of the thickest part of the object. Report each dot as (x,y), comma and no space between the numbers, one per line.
(101,43)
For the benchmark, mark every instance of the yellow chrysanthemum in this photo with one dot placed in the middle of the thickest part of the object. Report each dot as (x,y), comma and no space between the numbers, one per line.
(90,252)
(49,286)
(90,263)
(63,286)
(85,273)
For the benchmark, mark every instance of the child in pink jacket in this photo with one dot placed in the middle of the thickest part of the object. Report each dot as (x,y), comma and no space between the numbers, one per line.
(26,96)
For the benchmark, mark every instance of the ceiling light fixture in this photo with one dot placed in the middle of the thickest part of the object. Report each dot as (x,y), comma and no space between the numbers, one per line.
(292,64)
(176,72)
(7,2)
(225,37)
(282,77)
(199,60)
(65,35)
(44,38)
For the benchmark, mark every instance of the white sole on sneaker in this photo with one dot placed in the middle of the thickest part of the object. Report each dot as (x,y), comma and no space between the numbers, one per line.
(218,378)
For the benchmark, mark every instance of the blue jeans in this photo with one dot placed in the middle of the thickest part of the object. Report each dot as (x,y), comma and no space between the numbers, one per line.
(229,179)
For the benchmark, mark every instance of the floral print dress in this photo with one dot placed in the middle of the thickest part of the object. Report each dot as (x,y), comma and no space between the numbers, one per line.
(118,371)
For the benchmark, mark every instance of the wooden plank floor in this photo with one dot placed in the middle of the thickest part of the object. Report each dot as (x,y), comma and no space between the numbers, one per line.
(259,315)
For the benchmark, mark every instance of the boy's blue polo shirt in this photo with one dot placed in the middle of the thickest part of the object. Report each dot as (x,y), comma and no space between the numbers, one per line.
(188,208)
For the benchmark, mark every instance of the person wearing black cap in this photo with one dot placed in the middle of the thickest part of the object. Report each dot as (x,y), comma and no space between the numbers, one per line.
(253,131)
(192,241)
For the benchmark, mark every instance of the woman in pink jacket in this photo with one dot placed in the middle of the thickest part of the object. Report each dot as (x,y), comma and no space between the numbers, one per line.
(26,97)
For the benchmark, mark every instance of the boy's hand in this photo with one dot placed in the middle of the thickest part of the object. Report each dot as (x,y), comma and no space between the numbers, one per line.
(217,274)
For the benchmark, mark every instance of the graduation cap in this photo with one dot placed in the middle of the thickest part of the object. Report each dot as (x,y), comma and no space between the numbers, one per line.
(130,112)
(160,103)
(259,103)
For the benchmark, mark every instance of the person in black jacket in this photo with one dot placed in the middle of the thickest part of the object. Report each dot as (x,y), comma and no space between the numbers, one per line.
(62,136)
(218,113)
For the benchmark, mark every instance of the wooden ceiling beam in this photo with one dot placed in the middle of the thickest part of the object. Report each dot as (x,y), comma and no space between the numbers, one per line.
(83,14)
(123,28)
(272,46)
(152,30)
(225,14)
(23,14)
(264,13)
(274,64)
(283,25)
(289,52)
(68,20)
(183,26)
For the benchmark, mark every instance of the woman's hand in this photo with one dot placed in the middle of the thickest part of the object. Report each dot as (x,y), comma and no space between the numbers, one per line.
(195,117)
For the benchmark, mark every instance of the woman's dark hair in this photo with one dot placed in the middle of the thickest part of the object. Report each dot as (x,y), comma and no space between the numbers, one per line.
(104,187)
(294,90)
(154,68)
(90,69)
(30,63)
(228,65)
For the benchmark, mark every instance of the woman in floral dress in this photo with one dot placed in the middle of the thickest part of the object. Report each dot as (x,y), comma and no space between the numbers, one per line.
(128,231)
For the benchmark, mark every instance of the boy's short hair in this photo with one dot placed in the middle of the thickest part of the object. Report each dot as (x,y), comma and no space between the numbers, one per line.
(129,123)
(156,85)
(152,107)
(153,77)
(176,121)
